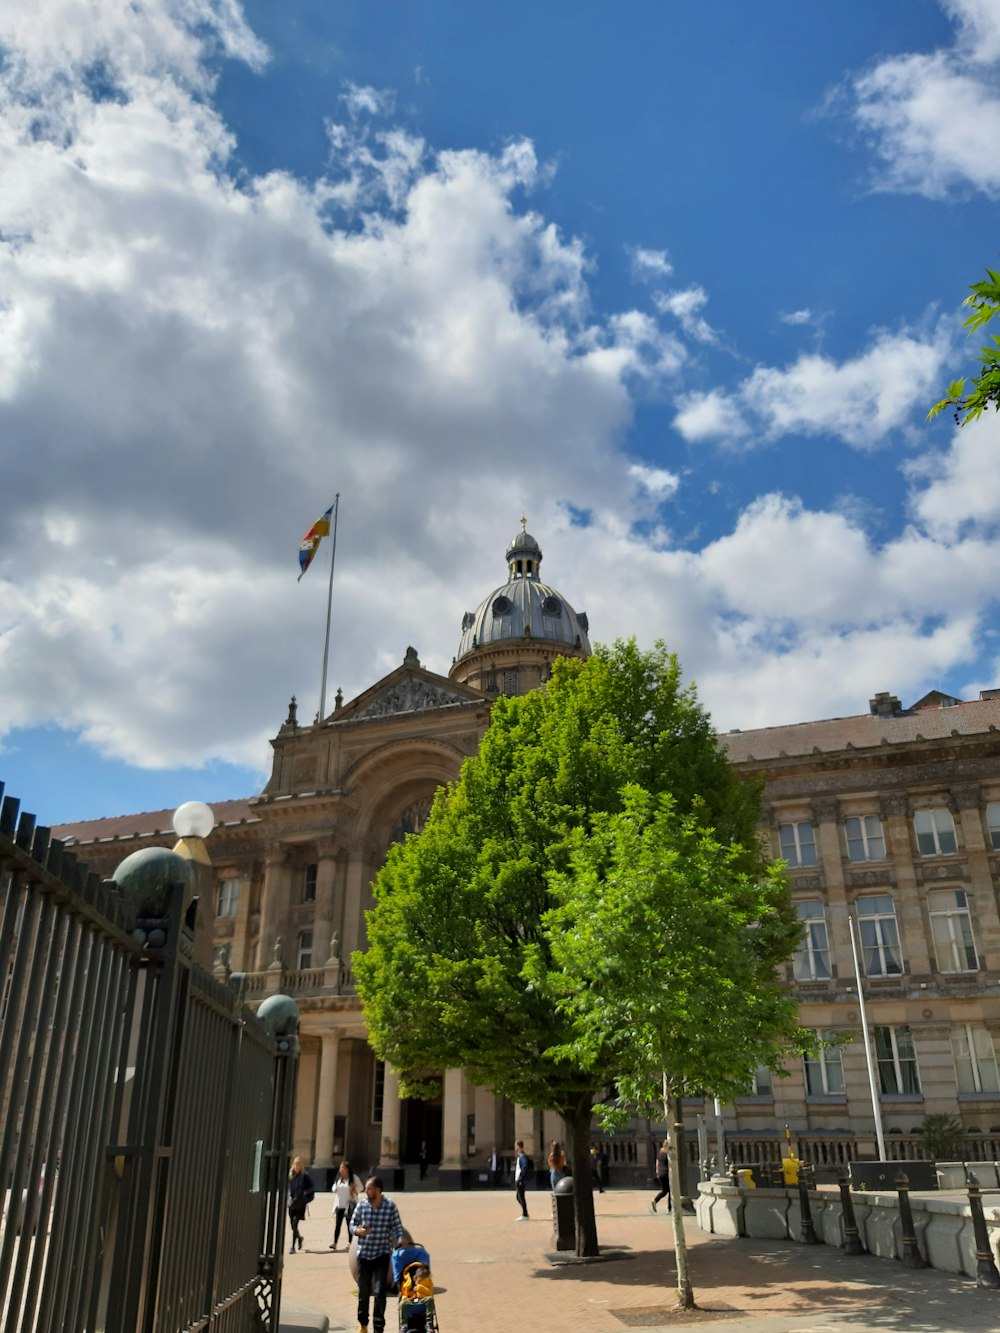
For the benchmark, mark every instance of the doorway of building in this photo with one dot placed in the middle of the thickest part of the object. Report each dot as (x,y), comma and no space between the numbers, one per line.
(421,1123)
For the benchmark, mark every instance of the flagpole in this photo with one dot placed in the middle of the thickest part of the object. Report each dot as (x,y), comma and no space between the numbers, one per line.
(329,606)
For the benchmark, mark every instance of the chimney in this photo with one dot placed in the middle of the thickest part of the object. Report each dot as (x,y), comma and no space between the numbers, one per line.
(885,705)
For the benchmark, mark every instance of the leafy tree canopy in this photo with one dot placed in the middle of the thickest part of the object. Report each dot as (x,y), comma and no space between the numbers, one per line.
(969,404)
(465,967)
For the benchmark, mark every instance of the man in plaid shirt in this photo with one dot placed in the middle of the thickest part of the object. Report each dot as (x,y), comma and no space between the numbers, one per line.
(377,1226)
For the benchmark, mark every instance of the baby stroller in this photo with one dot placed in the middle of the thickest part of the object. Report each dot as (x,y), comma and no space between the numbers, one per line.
(411,1271)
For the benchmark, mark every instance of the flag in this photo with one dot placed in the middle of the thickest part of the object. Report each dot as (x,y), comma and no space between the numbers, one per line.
(309,544)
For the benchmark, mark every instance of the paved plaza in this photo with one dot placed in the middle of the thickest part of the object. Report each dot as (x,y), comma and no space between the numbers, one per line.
(497,1275)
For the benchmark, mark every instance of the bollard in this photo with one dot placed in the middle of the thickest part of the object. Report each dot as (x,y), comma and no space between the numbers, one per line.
(808,1233)
(986,1269)
(912,1258)
(852,1239)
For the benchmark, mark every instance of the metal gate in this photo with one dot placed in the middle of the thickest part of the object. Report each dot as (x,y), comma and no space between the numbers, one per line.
(146,1111)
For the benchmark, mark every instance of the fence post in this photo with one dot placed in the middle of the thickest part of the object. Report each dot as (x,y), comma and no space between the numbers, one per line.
(280,1015)
(986,1269)
(808,1233)
(852,1240)
(912,1258)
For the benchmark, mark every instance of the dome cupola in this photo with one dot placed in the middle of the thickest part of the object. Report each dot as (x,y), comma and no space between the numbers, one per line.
(511,639)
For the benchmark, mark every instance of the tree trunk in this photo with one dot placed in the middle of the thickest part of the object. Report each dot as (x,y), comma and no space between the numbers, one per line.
(577,1119)
(685,1292)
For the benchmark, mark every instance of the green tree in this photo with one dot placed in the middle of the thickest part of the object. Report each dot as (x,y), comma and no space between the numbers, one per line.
(665,939)
(970,404)
(460,970)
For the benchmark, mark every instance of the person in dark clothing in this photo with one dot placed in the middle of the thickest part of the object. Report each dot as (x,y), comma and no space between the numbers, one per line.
(596,1174)
(663,1176)
(422,1158)
(301,1193)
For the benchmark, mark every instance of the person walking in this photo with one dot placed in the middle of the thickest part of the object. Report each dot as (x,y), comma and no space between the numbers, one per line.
(522,1167)
(596,1168)
(301,1193)
(347,1189)
(377,1226)
(557,1163)
(422,1158)
(663,1176)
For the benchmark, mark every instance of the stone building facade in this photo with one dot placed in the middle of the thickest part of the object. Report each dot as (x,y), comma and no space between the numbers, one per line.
(892,816)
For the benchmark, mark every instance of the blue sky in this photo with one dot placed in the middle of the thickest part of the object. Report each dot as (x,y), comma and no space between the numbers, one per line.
(677,280)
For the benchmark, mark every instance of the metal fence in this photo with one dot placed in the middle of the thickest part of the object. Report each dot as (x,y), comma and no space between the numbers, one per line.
(146,1113)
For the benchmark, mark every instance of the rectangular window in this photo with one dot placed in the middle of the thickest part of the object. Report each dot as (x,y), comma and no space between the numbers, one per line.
(951,930)
(309,884)
(880,949)
(798,844)
(993,824)
(762,1084)
(378,1092)
(897,1061)
(975,1059)
(229,898)
(510,682)
(305,956)
(824,1071)
(935,830)
(864,838)
(811,961)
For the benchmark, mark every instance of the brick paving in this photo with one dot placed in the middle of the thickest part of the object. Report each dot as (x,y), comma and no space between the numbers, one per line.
(496,1275)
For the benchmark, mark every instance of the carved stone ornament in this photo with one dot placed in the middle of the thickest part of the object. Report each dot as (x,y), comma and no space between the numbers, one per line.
(826,809)
(409,696)
(806,881)
(868,879)
(967,796)
(334,949)
(894,803)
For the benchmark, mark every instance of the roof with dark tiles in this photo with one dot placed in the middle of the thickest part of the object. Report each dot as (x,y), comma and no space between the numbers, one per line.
(865,731)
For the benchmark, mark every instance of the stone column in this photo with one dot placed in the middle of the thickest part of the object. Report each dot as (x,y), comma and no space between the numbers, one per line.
(524,1128)
(323,920)
(972,836)
(326,1100)
(239,959)
(389,1155)
(907,895)
(274,904)
(357,895)
(455,1108)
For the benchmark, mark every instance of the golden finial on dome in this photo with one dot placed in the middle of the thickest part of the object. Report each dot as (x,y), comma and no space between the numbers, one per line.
(524,524)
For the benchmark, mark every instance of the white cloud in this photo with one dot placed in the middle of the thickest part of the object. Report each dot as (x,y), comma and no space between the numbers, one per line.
(934,119)
(711,416)
(962,491)
(685,306)
(656,481)
(861,400)
(192,362)
(649,265)
(803,316)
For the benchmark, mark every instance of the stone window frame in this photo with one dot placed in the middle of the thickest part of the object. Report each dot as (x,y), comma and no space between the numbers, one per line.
(958,911)
(973,1035)
(825,1069)
(896,1053)
(938,832)
(304,950)
(881,939)
(866,836)
(227,899)
(808,951)
(796,844)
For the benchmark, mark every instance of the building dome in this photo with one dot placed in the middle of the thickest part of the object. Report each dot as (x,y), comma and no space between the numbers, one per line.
(523,614)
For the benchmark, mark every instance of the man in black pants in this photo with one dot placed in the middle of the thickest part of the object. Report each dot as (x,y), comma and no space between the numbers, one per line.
(521,1166)
(663,1176)
(377,1226)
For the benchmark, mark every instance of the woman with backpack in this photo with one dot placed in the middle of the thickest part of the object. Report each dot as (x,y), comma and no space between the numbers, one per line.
(301,1193)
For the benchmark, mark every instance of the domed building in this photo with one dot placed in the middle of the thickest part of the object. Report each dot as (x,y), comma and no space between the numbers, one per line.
(295,867)
(508,643)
